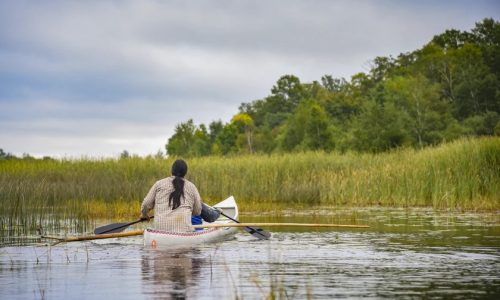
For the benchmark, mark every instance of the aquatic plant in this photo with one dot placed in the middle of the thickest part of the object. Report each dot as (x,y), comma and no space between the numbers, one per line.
(464,174)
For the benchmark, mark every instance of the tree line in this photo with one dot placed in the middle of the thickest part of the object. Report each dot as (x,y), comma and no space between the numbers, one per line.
(26,156)
(446,90)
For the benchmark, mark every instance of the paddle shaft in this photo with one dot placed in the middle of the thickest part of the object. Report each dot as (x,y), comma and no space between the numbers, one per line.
(95,237)
(119,227)
(259,231)
(278,225)
(140,231)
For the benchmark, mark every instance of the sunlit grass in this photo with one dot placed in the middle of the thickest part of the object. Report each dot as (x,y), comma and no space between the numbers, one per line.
(463,175)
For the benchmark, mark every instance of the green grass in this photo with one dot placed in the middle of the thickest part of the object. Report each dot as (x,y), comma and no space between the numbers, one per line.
(463,175)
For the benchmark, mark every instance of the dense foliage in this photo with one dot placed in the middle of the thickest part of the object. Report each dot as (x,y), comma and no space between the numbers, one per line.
(447,89)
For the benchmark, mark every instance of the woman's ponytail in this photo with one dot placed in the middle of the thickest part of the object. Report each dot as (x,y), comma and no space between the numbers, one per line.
(179,170)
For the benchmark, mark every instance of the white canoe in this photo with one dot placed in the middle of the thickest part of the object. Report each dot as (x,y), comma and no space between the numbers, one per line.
(158,238)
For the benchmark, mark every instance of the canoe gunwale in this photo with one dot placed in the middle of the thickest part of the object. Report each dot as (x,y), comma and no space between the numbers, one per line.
(190,233)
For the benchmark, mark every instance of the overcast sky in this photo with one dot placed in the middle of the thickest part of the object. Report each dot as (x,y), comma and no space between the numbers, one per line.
(97,77)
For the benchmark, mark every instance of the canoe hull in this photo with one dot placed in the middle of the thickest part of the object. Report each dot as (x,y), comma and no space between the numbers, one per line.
(157,238)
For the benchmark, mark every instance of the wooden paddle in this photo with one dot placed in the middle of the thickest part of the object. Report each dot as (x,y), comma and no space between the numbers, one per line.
(259,233)
(278,225)
(117,227)
(94,237)
(140,231)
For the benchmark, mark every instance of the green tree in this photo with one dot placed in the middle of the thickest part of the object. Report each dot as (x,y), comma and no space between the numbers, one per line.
(274,110)
(487,36)
(381,68)
(477,89)
(288,92)
(294,130)
(265,139)
(6,156)
(181,142)
(452,39)
(447,89)
(308,129)
(245,125)
(226,140)
(419,101)
(191,140)
(482,124)
(318,130)
(124,155)
(334,84)
(201,145)
(215,129)
(378,128)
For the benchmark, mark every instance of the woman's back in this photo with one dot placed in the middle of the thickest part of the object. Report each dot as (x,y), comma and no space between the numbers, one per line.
(179,219)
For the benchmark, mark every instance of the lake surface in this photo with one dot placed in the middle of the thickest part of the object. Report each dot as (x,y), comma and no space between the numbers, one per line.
(404,254)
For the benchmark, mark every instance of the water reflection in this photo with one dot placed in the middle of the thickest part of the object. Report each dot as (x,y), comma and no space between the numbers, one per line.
(404,254)
(168,274)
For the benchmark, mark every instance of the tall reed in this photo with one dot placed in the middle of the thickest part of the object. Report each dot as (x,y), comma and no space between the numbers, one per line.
(62,191)
(464,174)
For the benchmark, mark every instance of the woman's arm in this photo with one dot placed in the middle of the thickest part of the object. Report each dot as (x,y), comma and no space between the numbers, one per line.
(209,214)
(149,202)
(197,202)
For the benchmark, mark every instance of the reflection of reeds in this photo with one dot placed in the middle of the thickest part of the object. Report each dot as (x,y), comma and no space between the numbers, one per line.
(463,174)
(229,275)
(277,288)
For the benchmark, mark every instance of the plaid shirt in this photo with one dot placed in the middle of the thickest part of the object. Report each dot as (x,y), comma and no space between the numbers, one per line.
(178,220)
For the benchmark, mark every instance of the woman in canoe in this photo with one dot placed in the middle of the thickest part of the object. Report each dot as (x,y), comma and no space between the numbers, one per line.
(174,200)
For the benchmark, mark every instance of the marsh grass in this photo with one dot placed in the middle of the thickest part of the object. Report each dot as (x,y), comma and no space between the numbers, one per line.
(463,175)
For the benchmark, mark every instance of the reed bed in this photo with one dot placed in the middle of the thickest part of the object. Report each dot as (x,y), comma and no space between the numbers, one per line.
(464,175)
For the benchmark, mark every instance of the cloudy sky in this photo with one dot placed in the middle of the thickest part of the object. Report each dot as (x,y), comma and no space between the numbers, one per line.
(94,78)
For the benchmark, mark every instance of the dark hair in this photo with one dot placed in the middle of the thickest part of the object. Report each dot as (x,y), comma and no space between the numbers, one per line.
(179,170)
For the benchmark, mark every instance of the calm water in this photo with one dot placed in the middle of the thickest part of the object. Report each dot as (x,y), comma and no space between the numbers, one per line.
(417,254)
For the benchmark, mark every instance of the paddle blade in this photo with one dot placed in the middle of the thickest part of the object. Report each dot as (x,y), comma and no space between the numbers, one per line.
(111,228)
(259,233)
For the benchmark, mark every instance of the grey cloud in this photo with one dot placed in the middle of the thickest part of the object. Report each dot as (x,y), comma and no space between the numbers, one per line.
(134,69)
